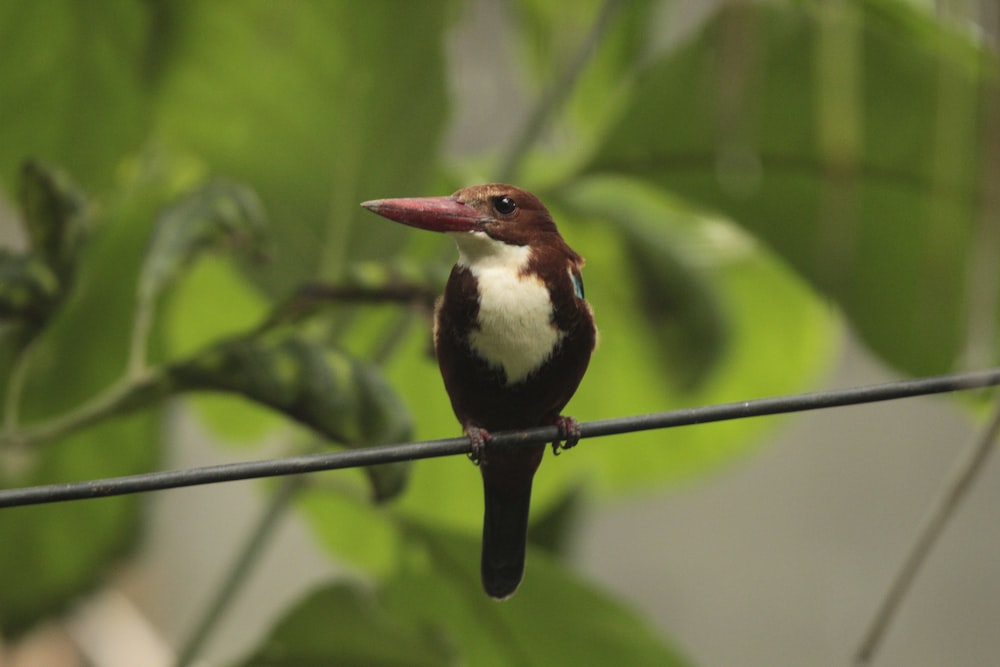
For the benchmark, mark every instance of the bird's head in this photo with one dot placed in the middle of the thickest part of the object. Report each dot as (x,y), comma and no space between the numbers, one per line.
(474,215)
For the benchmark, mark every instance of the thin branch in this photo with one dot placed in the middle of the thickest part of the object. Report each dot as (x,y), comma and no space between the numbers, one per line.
(312,296)
(399,293)
(971,462)
(367,456)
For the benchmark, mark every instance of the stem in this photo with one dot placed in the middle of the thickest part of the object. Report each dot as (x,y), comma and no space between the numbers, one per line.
(139,340)
(956,487)
(246,560)
(553,96)
(15,389)
(119,398)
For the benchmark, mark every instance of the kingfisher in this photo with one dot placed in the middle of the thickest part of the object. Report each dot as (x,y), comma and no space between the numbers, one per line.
(513,336)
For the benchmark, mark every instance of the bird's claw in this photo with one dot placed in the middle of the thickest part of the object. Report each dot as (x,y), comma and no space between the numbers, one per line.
(569,434)
(478,437)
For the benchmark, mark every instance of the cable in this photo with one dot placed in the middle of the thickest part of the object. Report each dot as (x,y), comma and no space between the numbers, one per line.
(295,465)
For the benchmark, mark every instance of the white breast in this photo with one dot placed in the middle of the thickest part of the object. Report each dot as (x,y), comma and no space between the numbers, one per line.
(516,332)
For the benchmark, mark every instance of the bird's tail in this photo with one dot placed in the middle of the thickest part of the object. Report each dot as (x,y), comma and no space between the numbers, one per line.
(505,535)
(507,501)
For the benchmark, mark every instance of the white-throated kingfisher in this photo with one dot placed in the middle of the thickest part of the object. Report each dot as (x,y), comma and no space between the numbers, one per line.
(513,336)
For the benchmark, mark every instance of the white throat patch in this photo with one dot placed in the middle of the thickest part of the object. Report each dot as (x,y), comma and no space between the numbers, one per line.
(516,332)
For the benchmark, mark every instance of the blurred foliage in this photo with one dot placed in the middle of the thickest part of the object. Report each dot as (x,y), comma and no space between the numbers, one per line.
(434,606)
(738,190)
(864,171)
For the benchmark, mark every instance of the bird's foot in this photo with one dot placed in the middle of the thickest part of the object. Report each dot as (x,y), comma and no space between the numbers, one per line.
(569,434)
(478,437)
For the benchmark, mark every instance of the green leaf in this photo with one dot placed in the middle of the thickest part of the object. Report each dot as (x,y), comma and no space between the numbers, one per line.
(55,219)
(217,213)
(76,85)
(28,289)
(345,624)
(670,249)
(348,525)
(339,397)
(434,613)
(554,619)
(781,339)
(335,394)
(308,128)
(847,138)
(33,285)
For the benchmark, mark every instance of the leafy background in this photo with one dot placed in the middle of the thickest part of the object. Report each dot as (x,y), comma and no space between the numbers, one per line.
(747,182)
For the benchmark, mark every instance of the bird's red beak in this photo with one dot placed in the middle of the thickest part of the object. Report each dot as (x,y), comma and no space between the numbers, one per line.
(438,214)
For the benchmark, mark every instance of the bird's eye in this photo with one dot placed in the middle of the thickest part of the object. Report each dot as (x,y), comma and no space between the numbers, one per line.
(504,205)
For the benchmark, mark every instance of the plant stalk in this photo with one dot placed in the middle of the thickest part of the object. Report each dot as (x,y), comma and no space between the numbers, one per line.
(940,512)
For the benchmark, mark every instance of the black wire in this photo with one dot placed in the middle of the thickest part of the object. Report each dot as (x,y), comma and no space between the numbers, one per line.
(294,465)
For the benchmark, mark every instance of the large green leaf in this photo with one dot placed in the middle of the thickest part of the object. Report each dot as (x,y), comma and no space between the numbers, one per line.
(215,214)
(317,105)
(672,253)
(349,526)
(777,337)
(554,619)
(28,288)
(336,395)
(434,613)
(54,217)
(33,284)
(847,137)
(76,85)
(340,397)
(344,624)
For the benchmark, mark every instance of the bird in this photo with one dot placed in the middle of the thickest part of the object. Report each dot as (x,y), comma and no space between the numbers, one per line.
(513,336)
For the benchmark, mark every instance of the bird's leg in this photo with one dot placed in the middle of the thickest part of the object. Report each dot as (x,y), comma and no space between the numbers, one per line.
(569,434)
(478,437)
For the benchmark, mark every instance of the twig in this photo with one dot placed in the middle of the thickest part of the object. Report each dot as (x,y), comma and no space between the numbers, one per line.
(308,298)
(367,456)
(402,293)
(971,462)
